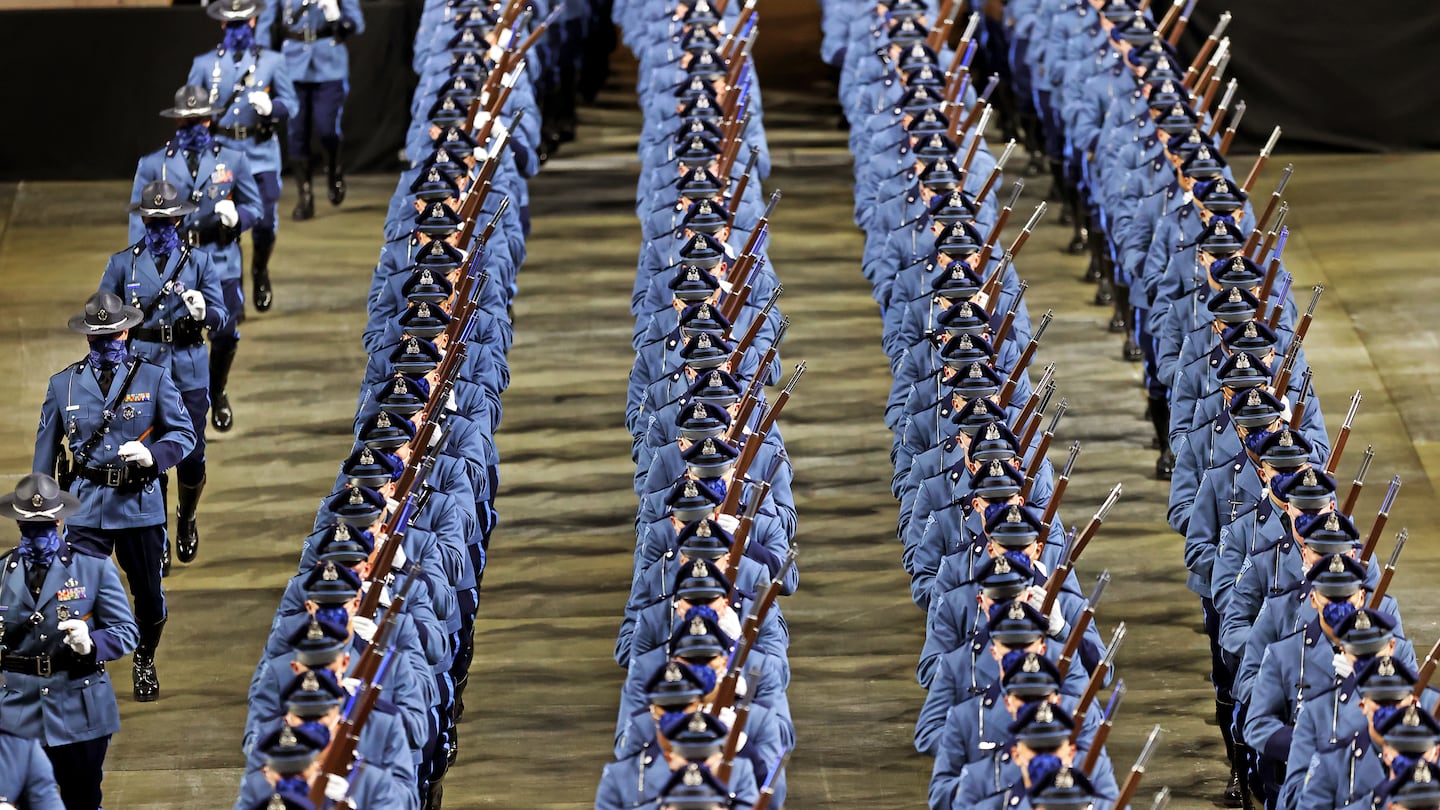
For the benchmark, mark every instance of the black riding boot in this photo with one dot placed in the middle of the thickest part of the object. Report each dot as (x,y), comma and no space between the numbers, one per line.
(165,498)
(260,271)
(1160,417)
(305,206)
(334,175)
(221,416)
(147,681)
(187,535)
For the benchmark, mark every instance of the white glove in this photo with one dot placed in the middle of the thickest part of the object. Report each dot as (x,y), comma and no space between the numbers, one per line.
(1035,596)
(399,560)
(6,806)
(436,436)
(391,505)
(138,453)
(195,302)
(728,522)
(260,100)
(730,624)
(77,636)
(336,787)
(229,217)
(351,685)
(1343,667)
(331,10)
(364,628)
(450,403)
(727,716)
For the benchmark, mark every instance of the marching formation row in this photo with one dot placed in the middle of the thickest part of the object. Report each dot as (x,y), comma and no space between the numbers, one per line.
(704,719)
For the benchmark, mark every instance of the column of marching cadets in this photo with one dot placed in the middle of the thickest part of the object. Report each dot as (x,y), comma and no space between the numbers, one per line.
(704,721)
(360,687)
(1319,699)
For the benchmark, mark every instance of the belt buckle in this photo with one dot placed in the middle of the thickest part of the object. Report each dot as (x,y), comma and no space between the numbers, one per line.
(43,666)
(242,132)
(167,333)
(113,476)
(310,35)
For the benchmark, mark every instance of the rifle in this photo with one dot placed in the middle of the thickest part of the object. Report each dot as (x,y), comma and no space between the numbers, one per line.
(1380,519)
(1260,161)
(1047,383)
(1137,772)
(1003,331)
(1202,85)
(940,34)
(1389,572)
(974,139)
(982,102)
(994,175)
(340,752)
(1075,549)
(1280,302)
(752,391)
(733,204)
(767,791)
(732,739)
(1102,734)
(1229,136)
(1188,81)
(1344,435)
(1092,688)
(1026,355)
(1297,411)
(752,446)
(1172,15)
(761,224)
(747,11)
(1254,238)
(1302,328)
(1281,383)
(1041,449)
(740,287)
(1358,483)
(1061,484)
(1000,220)
(1272,270)
(753,331)
(1427,670)
(1271,238)
(513,57)
(742,532)
(1031,425)
(960,64)
(749,632)
(1077,632)
(1162,799)
(1224,107)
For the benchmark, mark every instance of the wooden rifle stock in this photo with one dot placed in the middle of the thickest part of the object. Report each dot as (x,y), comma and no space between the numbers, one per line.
(994,176)
(1026,355)
(1389,572)
(1027,433)
(1008,322)
(1339,447)
(1260,161)
(733,204)
(994,236)
(1077,633)
(1205,50)
(1032,467)
(1097,679)
(940,34)
(1272,270)
(1061,484)
(1137,772)
(732,739)
(341,750)
(1380,520)
(1234,127)
(1427,671)
(1219,117)
(753,331)
(1302,399)
(1358,484)
(1057,578)
(1264,220)
(742,532)
(1047,383)
(1102,734)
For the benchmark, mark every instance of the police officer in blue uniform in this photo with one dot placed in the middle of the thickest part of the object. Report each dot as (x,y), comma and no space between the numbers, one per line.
(27,779)
(111,424)
(312,35)
(63,614)
(251,93)
(218,181)
(178,291)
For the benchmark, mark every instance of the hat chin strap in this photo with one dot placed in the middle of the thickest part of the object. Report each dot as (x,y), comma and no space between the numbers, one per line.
(44,513)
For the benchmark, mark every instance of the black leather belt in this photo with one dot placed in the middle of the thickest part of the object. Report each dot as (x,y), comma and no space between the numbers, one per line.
(170,333)
(245,133)
(310,34)
(45,666)
(128,475)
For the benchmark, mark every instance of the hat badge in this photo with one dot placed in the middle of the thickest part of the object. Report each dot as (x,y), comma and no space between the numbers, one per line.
(1287,439)
(102,316)
(355,497)
(367,457)
(703,530)
(1362,620)
(690,490)
(1031,664)
(1337,565)
(423,310)
(1064,779)
(698,412)
(700,569)
(1002,565)
(412,346)
(342,532)
(1017,611)
(1222,187)
(1242,361)
(1332,523)
(708,448)
(1235,297)
(996,469)
(693,777)
(1013,515)
(314,632)
(437,210)
(1250,331)
(287,737)
(1309,479)
(1411,720)
(697,626)
(1422,770)
(310,683)
(703,313)
(1253,399)
(975,371)
(449,103)
(702,341)
(401,387)
(1194,133)
(981,408)
(159,199)
(1167,87)
(330,574)
(1044,714)
(697,724)
(275,803)
(1203,153)
(672,673)
(992,432)
(37,500)
(715,380)
(965,342)
(1386,667)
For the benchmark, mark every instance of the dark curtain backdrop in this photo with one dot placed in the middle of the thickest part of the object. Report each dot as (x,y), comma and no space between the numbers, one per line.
(90,111)
(1336,75)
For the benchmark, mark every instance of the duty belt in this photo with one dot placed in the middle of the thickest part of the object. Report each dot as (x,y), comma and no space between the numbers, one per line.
(242,133)
(310,34)
(45,666)
(118,476)
(168,333)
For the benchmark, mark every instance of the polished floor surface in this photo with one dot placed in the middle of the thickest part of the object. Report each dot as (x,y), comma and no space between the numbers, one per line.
(544,689)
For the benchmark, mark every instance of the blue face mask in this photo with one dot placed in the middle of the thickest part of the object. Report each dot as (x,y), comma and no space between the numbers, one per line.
(239,36)
(161,238)
(39,543)
(107,352)
(1402,763)
(335,615)
(703,611)
(193,137)
(293,785)
(1337,612)
(704,674)
(319,730)
(1042,767)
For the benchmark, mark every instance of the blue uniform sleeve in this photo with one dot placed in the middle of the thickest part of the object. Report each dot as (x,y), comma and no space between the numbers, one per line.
(176,433)
(283,100)
(115,634)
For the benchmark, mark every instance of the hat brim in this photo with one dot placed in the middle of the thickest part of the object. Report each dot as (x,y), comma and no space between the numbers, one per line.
(132,317)
(221,12)
(179,209)
(11,508)
(194,112)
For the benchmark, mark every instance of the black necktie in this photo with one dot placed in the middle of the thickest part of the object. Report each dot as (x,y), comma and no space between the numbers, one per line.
(192,161)
(107,376)
(35,578)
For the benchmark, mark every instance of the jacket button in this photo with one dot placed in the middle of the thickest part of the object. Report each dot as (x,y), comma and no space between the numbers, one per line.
(44,690)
